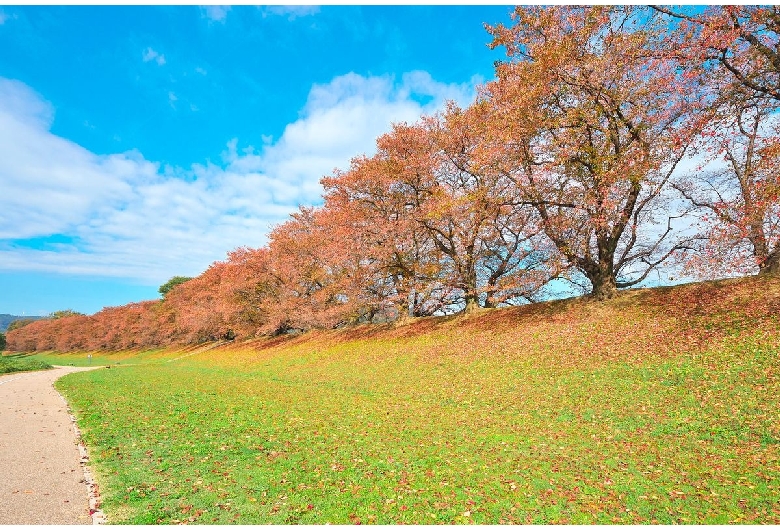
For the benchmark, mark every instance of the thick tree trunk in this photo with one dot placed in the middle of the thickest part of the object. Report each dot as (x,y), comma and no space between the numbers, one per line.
(601,273)
(771,265)
(768,260)
(604,286)
(472,304)
(403,313)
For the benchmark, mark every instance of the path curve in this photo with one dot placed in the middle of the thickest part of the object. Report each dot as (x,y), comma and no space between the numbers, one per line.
(41,479)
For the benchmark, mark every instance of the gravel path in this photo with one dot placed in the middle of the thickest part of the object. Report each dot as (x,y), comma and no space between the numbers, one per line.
(41,478)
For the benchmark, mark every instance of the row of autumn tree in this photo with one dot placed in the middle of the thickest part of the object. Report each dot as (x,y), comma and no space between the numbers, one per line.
(574,164)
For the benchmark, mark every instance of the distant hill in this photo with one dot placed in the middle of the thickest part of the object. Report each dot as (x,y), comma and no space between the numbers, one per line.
(7,319)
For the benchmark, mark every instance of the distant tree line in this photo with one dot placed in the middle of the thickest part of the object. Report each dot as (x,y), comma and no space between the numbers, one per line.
(569,167)
(7,320)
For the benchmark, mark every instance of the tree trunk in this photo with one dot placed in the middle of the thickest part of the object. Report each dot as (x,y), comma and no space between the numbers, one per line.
(604,287)
(403,313)
(768,260)
(472,304)
(771,265)
(601,273)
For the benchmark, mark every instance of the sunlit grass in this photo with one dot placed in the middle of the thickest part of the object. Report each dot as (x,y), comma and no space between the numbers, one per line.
(575,412)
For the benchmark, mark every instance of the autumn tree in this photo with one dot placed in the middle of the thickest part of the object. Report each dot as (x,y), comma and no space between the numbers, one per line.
(374,205)
(394,260)
(738,192)
(478,218)
(320,281)
(230,300)
(16,337)
(364,290)
(737,43)
(69,333)
(43,334)
(438,221)
(732,53)
(197,306)
(247,288)
(591,126)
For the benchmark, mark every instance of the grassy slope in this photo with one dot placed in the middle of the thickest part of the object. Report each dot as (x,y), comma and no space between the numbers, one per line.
(659,406)
(21,363)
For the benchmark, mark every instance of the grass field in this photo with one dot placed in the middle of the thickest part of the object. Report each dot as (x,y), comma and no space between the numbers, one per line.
(660,406)
(21,363)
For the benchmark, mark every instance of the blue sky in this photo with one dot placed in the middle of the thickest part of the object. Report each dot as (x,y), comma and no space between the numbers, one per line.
(138,143)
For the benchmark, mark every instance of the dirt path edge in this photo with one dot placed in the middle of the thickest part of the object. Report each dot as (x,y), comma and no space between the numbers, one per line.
(93,491)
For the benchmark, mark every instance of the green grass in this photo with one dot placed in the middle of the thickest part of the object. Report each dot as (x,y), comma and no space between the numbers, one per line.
(583,416)
(21,363)
(103,358)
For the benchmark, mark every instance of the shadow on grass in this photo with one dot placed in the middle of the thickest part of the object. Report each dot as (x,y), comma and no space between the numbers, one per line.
(21,363)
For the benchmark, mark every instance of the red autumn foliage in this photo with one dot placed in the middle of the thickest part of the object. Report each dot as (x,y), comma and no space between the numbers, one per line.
(444,230)
(320,278)
(731,45)
(740,201)
(732,53)
(591,125)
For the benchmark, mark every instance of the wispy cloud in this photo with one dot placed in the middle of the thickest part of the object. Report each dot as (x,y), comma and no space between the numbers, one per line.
(129,217)
(152,55)
(215,13)
(291,12)
(5,17)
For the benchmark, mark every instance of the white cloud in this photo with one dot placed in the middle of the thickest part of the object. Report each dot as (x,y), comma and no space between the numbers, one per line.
(200,70)
(215,13)
(343,119)
(152,55)
(129,217)
(43,172)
